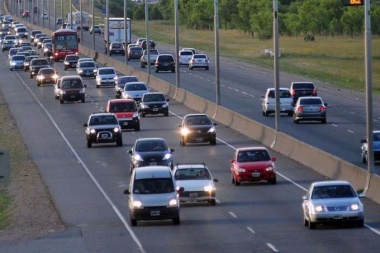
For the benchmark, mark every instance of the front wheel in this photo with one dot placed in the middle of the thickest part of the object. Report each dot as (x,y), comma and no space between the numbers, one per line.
(89,143)
(119,142)
(176,221)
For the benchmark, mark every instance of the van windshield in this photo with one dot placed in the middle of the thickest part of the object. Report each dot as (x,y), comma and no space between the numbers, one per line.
(153,186)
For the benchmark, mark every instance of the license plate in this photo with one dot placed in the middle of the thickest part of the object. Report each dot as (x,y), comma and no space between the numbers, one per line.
(256,174)
(337,217)
(87,73)
(154,213)
(72,96)
(104,136)
(193,194)
(48,80)
(199,139)
(153,163)
(155,109)
(125,123)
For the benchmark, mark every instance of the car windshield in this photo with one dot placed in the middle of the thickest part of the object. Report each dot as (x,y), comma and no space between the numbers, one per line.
(18,58)
(283,94)
(192,121)
(253,156)
(123,107)
(87,64)
(73,83)
(103,120)
(126,79)
(153,97)
(192,174)
(135,87)
(333,191)
(153,186)
(48,72)
(40,62)
(107,72)
(186,53)
(151,146)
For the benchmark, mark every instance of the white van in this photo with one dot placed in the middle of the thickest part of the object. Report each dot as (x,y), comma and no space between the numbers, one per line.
(153,195)
(269,101)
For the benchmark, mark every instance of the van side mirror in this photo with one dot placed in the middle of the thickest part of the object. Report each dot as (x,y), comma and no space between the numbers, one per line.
(126,191)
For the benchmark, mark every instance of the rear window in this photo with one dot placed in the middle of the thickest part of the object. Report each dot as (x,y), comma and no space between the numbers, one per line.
(40,62)
(311,101)
(283,94)
(303,86)
(186,53)
(166,58)
(21,29)
(153,186)
(135,87)
(200,56)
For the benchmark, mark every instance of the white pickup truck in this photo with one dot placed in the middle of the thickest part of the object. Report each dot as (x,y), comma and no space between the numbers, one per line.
(152,56)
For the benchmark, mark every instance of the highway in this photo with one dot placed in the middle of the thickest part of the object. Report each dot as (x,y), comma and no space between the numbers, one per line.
(87,184)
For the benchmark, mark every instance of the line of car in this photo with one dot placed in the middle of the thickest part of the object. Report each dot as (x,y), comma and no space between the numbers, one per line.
(154,175)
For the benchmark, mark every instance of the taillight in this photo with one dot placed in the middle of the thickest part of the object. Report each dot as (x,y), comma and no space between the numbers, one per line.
(322,108)
(300,108)
(314,92)
(292,92)
(192,61)
(206,60)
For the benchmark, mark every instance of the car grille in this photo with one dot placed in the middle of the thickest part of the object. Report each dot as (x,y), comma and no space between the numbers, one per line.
(155,106)
(194,194)
(72,92)
(104,130)
(337,208)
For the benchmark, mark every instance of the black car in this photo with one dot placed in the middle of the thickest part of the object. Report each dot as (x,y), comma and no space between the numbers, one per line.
(103,128)
(120,83)
(6,45)
(71,61)
(197,128)
(154,103)
(302,89)
(164,62)
(27,61)
(36,64)
(150,151)
(135,53)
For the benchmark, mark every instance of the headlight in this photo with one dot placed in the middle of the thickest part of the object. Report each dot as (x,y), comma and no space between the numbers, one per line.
(115,78)
(94,70)
(55,76)
(137,204)
(211,130)
(46,49)
(319,208)
(208,188)
(83,90)
(13,63)
(173,202)
(80,70)
(167,157)
(135,114)
(143,106)
(116,130)
(92,131)
(137,157)
(165,105)
(26,63)
(241,170)
(63,92)
(354,207)
(185,131)
(269,169)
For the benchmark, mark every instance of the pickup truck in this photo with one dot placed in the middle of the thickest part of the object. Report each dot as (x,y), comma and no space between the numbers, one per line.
(153,55)
(37,64)
(302,89)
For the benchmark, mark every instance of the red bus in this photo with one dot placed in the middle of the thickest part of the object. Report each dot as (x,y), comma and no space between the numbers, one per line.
(65,41)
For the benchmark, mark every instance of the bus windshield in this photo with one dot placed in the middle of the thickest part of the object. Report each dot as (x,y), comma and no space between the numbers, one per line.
(66,42)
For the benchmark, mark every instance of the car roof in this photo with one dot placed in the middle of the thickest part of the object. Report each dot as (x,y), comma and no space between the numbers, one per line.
(281,88)
(327,183)
(122,100)
(71,77)
(151,139)
(106,68)
(102,114)
(251,148)
(191,165)
(152,172)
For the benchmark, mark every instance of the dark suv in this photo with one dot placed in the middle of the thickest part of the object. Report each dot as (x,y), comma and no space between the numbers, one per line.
(103,128)
(37,64)
(197,128)
(302,89)
(71,61)
(154,103)
(164,62)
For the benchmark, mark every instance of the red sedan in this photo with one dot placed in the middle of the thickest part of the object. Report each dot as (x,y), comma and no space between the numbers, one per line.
(253,164)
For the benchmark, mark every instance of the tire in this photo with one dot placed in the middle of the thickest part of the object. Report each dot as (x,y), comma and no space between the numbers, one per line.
(31,76)
(273,181)
(360,224)
(213,142)
(119,142)
(364,159)
(265,113)
(137,128)
(142,65)
(38,84)
(97,86)
(173,70)
(296,121)
(290,114)
(156,70)
(177,221)
(166,114)
(89,144)
(237,183)
(143,115)
(133,222)
(11,69)
(65,68)
(323,121)
(83,100)
(305,222)
(312,225)
(212,202)
(61,101)
(207,68)
(191,68)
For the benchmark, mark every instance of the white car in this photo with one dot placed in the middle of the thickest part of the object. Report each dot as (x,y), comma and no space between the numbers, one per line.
(87,59)
(196,181)
(44,16)
(332,202)
(105,76)
(269,101)
(199,61)
(135,90)
(184,57)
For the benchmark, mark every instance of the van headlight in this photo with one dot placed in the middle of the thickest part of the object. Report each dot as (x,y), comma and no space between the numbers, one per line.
(137,204)
(173,203)
(185,131)
(167,157)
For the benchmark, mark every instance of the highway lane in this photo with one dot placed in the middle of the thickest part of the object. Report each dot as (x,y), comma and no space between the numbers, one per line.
(242,85)
(255,216)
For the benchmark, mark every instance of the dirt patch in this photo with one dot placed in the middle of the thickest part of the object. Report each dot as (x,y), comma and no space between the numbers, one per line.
(32,213)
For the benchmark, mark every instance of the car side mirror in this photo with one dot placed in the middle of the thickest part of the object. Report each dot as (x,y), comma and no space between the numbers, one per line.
(363,141)
(130,151)
(85,85)
(214,124)
(180,189)
(126,192)
(232,161)
(273,159)
(85,125)
(167,100)
(361,195)
(215,180)
(171,150)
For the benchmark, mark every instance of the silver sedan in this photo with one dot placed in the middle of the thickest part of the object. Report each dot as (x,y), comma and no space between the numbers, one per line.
(332,202)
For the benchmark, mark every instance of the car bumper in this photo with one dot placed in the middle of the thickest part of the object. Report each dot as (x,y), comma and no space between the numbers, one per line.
(196,196)
(199,138)
(129,123)
(255,176)
(344,217)
(104,137)
(310,116)
(199,65)
(168,163)
(106,83)
(155,110)
(155,213)
(73,97)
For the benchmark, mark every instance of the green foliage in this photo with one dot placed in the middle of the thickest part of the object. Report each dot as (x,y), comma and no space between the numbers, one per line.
(5,201)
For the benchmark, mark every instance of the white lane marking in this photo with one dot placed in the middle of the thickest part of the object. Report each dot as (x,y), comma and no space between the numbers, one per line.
(350,131)
(334,125)
(251,230)
(272,247)
(232,214)
(110,202)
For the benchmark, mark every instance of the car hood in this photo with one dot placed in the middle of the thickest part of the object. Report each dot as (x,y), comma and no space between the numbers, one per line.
(135,94)
(151,200)
(153,156)
(106,76)
(155,103)
(252,166)
(336,201)
(194,185)
(87,68)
